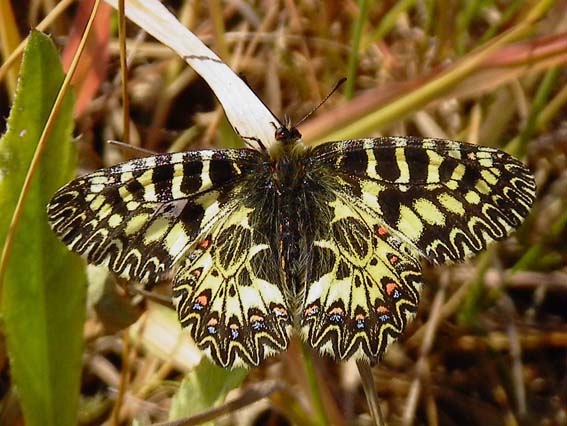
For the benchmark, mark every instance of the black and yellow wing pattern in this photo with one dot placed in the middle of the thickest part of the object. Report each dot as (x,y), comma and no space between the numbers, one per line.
(446,199)
(324,240)
(140,217)
(362,286)
(397,200)
(230,292)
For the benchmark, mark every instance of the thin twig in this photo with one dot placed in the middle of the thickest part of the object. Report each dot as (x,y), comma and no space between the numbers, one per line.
(516,354)
(124,73)
(136,149)
(124,372)
(426,345)
(250,396)
(369,387)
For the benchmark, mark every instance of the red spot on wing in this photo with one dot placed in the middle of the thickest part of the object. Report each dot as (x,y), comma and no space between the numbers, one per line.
(391,287)
(382,310)
(202,300)
(280,312)
(311,310)
(393,259)
(382,231)
(204,244)
(337,311)
(256,318)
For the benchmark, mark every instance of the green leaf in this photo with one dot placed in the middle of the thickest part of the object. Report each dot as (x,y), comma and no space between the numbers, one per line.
(43,304)
(203,388)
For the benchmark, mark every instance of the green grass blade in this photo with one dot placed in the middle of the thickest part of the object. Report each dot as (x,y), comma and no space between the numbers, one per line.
(518,145)
(355,46)
(464,20)
(44,285)
(389,20)
(311,375)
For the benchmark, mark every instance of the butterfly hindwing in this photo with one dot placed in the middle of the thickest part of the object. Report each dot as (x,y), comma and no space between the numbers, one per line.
(229,292)
(362,286)
(446,199)
(138,218)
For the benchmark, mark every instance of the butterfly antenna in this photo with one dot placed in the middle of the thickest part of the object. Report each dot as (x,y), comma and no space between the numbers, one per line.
(127,147)
(333,90)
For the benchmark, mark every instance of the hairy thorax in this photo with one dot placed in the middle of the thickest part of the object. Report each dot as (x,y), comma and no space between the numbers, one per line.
(297,194)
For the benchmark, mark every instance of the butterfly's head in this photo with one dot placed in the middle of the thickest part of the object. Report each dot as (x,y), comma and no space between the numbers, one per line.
(287,136)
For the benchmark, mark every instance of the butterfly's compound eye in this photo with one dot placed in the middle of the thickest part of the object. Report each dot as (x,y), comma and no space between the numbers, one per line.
(286,135)
(282,133)
(294,134)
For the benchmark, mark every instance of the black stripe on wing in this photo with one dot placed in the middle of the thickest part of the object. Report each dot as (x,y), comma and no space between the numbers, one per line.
(139,217)
(447,199)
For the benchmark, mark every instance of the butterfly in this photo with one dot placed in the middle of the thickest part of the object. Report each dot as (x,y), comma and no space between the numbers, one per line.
(323,241)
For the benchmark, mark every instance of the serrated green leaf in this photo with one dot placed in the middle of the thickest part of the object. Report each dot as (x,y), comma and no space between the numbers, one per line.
(43,303)
(203,388)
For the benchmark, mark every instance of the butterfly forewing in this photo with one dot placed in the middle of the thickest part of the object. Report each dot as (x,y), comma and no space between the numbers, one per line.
(446,199)
(138,218)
